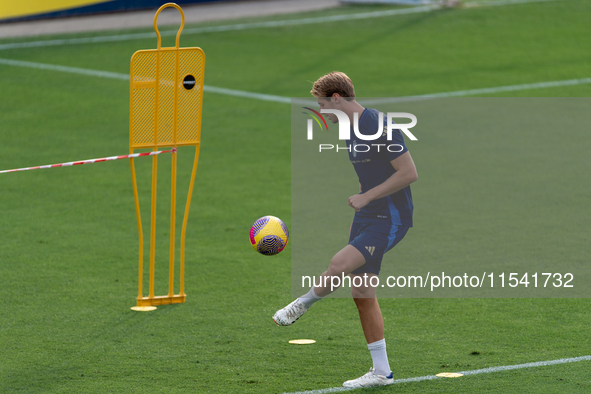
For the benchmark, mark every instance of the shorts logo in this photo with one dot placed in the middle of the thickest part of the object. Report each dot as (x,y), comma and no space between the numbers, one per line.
(370,249)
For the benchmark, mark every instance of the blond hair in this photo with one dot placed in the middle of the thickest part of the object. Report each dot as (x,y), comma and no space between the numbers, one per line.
(331,83)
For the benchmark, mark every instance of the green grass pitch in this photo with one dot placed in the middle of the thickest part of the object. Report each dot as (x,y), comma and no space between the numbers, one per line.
(68,237)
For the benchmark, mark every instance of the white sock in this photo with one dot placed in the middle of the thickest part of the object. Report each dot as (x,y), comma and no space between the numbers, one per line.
(309,298)
(379,357)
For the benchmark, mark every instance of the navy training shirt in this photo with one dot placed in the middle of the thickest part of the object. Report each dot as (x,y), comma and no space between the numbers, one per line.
(373,167)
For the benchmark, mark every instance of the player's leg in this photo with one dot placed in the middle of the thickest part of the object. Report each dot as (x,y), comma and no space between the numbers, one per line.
(345,261)
(383,238)
(370,314)
(372,323)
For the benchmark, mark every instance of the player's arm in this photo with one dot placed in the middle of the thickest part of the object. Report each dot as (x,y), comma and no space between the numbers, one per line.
(406,173)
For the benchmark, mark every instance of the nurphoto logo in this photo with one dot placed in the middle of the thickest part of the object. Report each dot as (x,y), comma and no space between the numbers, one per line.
(345,129)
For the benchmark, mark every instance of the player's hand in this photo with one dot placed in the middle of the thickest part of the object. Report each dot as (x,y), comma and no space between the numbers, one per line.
(358,201)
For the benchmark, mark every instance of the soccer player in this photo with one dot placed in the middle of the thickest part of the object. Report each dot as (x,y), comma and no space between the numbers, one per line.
(383,215)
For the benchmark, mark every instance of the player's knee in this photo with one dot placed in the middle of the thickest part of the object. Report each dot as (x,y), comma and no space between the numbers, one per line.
(336,267)
(360,293)
(364,304)
(363,293)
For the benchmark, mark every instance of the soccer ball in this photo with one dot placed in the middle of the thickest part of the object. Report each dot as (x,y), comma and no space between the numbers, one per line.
(269,235)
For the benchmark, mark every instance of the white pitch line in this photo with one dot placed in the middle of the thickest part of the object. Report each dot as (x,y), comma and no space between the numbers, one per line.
(215,29)
(254,25)
(493,3)
(527,365)
(67,69)
(476,92)
(288,100)
(125,77)
(473,372)
(242,93)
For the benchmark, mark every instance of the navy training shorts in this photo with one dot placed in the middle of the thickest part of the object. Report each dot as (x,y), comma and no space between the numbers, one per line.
(373,239)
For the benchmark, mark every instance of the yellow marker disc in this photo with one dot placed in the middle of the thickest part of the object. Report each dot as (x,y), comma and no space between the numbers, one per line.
(143,308)
(449,375)
(302,341)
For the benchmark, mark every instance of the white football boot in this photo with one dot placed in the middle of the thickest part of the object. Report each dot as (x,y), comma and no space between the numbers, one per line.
(289,314)
(370,379)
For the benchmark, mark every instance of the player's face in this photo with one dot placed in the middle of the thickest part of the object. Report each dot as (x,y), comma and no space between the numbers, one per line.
(327,104)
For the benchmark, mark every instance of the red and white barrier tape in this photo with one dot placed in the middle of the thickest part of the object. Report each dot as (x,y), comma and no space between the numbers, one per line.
(76,163)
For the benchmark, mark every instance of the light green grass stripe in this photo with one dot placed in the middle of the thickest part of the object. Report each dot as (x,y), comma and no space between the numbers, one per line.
(474,372)
(255,25)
